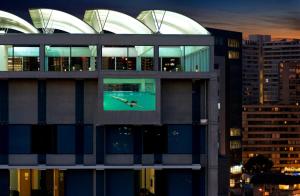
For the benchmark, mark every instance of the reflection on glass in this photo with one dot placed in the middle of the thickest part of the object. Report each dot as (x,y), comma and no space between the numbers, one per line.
(129,94)
(184,58)
(74,58)
(19,58)
(137,58)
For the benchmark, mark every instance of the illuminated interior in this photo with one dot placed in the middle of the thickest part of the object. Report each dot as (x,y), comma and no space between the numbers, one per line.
(66,58)
(147,181)
(25,182)
(166,22)
(48,20)
(137,58)
(115,22)
(19,58)
(129,94)
(184,58)
(11,21)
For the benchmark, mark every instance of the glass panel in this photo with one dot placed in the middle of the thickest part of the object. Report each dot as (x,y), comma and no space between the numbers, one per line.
(179,139)
(19,58)
(137,58)
(119,140)
(129,94)
(184,58)
(72,58)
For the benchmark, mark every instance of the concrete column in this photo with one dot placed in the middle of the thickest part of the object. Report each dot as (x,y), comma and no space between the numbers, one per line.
(43,58)
(212,138)
(156,58)
(3,58)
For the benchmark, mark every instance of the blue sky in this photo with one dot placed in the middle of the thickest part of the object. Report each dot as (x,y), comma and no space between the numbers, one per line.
(277,17)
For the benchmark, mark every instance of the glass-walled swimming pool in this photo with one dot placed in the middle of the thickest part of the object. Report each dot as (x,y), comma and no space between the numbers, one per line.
(129,94)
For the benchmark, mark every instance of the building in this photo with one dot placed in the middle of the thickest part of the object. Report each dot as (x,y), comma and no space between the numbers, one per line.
(289,82)
(261,59)
(86,112)
(228,63)
(272,131)
(271,104)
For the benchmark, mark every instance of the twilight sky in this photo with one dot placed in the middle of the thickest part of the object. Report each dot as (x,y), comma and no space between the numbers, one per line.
(280,18)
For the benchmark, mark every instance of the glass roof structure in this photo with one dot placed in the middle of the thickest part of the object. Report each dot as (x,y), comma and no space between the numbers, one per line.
(49,20)
(115,22)
(167,22)
(11,21)
(101,21)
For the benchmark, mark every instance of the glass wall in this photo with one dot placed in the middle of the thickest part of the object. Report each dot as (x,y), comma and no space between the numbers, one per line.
(180,139)
(119,140)
(184,58)
(19,58)
(129,94)
(70,58)
(136,58)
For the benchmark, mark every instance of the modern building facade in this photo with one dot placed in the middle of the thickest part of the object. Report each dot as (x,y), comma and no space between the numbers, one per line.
(228,64)
(130,112)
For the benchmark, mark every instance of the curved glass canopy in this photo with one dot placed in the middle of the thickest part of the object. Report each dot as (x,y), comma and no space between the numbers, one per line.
(49,20)
(11,21)
(115,22)
(166,22)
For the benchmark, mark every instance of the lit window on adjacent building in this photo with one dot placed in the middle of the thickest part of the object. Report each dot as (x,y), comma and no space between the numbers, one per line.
(235,132)
(233,54)
(232,183)
(233,43)
(235,144)
(237,169)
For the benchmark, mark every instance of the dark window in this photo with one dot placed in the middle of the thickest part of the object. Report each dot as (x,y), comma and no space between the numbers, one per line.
(43,138)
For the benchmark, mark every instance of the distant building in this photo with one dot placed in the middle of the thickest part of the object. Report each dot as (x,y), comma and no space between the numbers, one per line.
(271,96)
(289,82)
(228,62)
(272,131)
(261,59)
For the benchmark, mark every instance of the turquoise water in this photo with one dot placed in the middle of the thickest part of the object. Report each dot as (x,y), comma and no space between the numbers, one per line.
(129,101)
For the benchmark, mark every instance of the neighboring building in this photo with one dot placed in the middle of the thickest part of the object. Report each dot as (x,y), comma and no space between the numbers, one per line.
(123,113)
(228,62)
(272,131)
(252,66)
(261,59)
(289,82)
(271,112)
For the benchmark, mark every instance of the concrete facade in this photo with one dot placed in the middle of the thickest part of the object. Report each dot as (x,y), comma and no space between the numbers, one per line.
(87,156)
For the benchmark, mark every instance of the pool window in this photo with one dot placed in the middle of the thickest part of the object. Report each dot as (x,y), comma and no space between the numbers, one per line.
(129,94)
(132,58)
(19,58)
(184,58)
(70,58)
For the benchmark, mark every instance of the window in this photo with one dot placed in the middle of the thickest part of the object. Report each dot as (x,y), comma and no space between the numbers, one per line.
(70,58)
(154,140)
(180,139)
(233,54)
(129,94)
(235,144)
(119,140)
(184,58)
(233,43)
(43,139)
(19,58)
(134,58)
(235,132)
